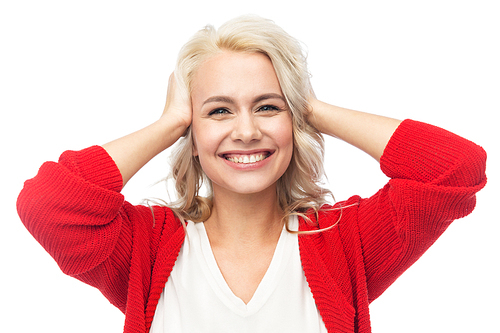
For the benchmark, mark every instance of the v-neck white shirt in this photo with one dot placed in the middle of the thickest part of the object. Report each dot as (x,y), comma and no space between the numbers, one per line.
(196,298)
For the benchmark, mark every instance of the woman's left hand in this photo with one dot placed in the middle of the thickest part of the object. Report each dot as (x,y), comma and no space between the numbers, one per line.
(366,131)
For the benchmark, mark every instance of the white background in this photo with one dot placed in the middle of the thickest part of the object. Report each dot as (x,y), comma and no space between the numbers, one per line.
(77,73)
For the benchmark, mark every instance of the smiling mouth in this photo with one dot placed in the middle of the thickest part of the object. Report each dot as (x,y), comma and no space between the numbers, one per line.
(246,159)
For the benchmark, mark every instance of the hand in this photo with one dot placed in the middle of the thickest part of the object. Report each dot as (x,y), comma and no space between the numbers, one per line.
(133,151)
(368,132)
(178,105)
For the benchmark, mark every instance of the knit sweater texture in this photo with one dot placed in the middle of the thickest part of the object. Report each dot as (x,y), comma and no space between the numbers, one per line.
(75,210)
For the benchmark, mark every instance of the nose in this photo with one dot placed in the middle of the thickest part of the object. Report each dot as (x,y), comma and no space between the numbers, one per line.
(246,128)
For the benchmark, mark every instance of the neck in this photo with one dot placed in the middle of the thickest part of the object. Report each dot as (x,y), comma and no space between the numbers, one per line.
(241,220)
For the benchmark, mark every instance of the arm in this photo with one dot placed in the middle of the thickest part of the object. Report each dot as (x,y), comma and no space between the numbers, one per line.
(75,211)
(133,151)
(368,132)
(434,175)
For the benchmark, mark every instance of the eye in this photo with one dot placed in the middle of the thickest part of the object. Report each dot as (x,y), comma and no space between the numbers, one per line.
(268,108)
(218,111)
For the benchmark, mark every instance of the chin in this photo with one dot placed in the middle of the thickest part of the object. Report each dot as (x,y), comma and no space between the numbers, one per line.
(248,188)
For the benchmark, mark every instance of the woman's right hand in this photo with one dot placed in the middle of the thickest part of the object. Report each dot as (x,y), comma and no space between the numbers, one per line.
(178,105)
(133,151)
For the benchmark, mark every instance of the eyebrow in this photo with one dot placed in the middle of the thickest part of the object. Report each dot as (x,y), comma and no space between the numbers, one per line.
(227,99)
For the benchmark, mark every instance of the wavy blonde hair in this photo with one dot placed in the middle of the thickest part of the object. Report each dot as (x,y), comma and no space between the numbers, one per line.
(299,189)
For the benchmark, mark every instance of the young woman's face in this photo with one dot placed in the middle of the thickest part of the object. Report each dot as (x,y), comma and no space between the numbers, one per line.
(242,128)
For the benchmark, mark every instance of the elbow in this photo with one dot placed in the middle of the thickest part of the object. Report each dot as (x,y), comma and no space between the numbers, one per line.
(472,170)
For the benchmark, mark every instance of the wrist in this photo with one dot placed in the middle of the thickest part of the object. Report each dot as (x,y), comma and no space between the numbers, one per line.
(170,129)
(318,114)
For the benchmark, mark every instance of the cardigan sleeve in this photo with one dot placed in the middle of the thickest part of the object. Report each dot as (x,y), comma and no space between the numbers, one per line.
(434,175)
(75,211)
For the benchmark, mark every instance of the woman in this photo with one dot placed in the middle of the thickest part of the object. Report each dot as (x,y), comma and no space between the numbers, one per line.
(262,252)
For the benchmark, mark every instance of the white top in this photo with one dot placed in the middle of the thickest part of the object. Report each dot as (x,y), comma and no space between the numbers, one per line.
(196,298)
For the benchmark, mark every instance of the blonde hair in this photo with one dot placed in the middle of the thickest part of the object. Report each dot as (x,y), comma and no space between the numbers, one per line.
(299,189)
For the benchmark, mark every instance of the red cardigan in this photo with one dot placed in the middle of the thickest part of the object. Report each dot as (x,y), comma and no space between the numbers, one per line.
(75,210)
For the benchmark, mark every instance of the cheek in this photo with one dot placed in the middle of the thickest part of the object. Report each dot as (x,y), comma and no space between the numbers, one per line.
(199,133)
(204,140)
(286,139)
(285,136)
(282,133)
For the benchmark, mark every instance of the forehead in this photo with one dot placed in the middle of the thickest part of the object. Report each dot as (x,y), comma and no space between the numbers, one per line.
(235,74)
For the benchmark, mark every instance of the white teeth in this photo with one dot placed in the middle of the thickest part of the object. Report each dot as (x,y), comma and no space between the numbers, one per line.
(247,158)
